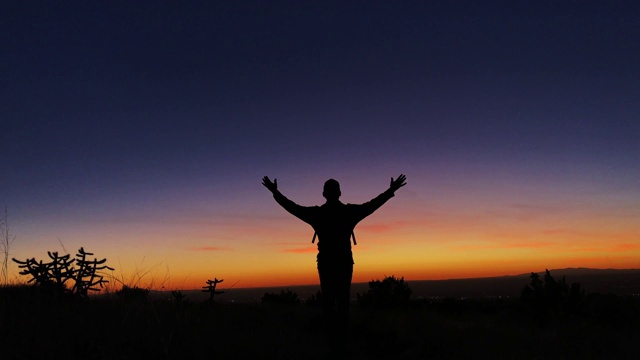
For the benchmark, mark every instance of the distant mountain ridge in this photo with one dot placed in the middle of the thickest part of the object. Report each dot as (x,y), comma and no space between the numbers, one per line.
(616,281)
(585,271)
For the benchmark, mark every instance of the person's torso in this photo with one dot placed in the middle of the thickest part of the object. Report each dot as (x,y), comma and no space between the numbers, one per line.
(334,224)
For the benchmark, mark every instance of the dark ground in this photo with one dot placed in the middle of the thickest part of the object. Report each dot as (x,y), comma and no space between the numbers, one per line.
(37,326)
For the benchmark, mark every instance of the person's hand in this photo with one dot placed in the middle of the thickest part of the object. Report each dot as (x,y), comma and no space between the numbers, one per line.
(398,183)
(271,185)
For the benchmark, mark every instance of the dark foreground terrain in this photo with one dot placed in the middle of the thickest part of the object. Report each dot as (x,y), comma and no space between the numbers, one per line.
(34,325)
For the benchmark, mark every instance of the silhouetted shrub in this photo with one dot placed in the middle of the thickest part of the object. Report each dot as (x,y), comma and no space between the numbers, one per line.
(552,297)
(133,293)
(314,300)
(390,292)
(84,274)
(286,297)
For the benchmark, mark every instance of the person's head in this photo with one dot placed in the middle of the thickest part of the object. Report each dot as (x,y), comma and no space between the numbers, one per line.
(331,190)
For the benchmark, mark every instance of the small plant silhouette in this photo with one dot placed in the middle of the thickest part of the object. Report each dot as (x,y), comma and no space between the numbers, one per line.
(285,297)
(211,288)
(131,294)
(314,300)
(6,240)
(179,298)
(390,292)
(85,273)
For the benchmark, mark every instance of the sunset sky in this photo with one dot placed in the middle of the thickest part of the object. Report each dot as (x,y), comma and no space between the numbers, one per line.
(141,131)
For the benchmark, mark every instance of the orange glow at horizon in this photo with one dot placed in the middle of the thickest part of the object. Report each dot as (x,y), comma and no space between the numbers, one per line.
(447,259)
(433,238)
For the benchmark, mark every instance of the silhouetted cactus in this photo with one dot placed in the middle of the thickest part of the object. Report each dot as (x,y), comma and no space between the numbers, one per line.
(53,274)
(211,288)
(85,274)
(390,292)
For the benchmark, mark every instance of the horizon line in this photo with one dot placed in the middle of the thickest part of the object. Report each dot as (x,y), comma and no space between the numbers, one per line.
(415,280)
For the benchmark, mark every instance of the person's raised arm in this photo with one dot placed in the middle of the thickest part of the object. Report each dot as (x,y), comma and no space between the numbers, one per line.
(301,212)
(368,208)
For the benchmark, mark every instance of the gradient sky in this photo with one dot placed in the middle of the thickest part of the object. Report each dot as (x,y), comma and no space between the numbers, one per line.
(141,131)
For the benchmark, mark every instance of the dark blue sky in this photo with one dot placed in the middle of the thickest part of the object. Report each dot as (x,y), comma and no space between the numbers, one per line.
(142,129)
(103,98)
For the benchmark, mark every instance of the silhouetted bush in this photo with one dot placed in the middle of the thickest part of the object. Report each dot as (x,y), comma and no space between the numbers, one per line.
(390,292)
(84,274)
(314,300)
(552,297)
(132,293)
(286,297)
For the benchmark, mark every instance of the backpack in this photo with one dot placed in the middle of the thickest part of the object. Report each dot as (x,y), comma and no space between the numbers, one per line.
(353,236)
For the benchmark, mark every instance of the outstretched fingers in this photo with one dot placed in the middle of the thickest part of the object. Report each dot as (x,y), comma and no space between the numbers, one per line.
(399,182)
(271,185)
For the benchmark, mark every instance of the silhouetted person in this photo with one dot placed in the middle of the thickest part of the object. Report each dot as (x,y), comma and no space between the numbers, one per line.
(333,223)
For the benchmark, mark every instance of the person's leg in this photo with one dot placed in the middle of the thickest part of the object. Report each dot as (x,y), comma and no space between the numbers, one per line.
(343,303)
(343,296)
(327,273)
(327,286)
